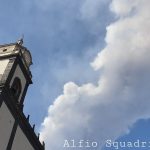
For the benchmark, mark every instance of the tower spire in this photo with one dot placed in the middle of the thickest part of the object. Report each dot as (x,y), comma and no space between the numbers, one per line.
(20,41)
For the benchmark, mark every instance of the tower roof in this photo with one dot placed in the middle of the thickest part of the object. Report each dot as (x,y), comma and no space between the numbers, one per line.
(8,50)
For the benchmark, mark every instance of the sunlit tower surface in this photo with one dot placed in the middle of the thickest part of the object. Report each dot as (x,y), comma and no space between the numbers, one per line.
(16,133)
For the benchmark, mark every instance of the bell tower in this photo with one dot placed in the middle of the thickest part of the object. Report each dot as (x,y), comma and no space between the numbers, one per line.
(16,132)
(15,74)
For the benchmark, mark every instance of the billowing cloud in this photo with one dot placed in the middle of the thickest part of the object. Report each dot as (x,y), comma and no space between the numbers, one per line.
(107,109)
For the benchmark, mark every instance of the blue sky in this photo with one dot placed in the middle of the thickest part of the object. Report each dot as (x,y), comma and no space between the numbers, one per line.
(58,39)
(64,37)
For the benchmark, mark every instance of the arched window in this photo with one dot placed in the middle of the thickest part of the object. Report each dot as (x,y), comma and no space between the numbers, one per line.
(16,88)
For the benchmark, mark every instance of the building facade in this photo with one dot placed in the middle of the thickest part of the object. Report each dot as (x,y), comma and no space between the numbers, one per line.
(16,133)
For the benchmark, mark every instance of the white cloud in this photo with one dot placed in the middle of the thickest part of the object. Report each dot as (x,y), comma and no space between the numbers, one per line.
(122,8)
(121,96)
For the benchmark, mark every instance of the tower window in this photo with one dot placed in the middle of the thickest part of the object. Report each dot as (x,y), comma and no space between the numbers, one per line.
(4,50)
(16,88)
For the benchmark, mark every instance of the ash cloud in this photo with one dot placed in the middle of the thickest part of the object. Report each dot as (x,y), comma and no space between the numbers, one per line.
(107,109)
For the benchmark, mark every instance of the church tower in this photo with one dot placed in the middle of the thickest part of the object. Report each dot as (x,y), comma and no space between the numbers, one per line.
(16,133)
